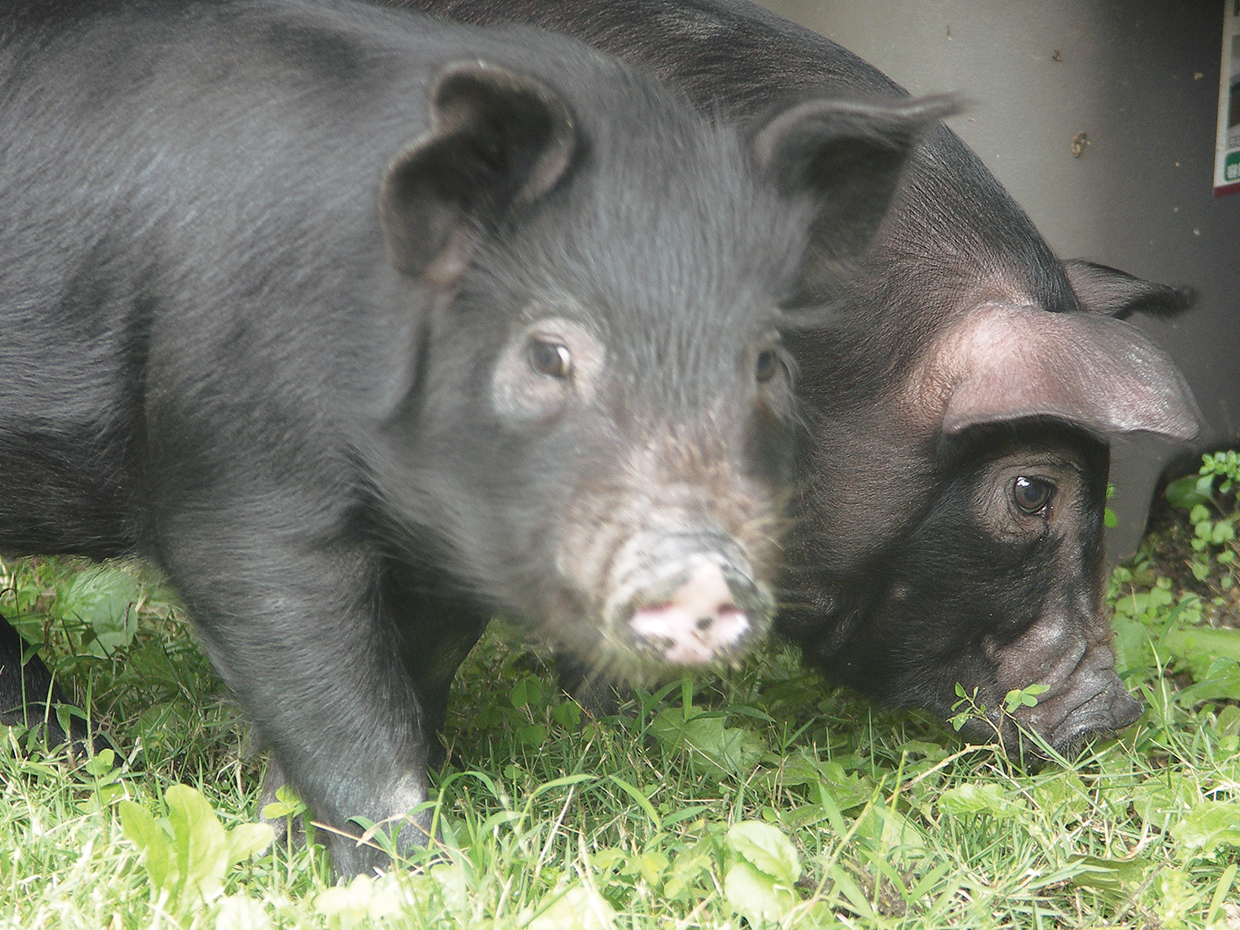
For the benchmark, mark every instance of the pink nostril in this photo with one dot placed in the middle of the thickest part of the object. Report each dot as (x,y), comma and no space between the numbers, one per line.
(698,623)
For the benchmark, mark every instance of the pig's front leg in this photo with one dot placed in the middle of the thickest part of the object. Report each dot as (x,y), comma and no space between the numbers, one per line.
(300,632)
(436,633)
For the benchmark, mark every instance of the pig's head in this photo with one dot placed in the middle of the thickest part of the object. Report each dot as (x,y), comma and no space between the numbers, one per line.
(995,443)
(599,431)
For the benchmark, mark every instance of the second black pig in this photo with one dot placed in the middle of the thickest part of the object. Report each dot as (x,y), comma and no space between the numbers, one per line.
(365,327)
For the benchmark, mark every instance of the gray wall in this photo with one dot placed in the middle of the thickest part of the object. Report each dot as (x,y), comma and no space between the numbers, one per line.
(1141,79)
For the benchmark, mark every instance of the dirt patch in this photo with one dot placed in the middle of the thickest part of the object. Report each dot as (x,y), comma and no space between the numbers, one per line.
(1168,550)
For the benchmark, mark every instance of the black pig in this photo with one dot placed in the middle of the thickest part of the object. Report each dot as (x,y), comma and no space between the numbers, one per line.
(26,688)
(950,529)
(364,327)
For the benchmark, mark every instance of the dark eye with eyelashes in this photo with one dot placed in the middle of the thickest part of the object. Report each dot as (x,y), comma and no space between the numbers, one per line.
(550,358)
(1032,495)
(767,365)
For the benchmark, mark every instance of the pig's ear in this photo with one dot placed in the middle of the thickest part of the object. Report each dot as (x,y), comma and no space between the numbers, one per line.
(1004,363)
(497,140)
(848,155)
(1107,290)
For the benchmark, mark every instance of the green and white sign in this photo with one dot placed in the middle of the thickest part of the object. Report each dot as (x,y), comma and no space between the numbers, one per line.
(1227,145)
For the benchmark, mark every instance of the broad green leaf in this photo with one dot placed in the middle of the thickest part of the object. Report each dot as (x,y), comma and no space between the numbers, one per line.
(1131,645)
(766,849)
(651,866)
(797,769)
(453,885)
(1229,720)
(578,908)
(756,895)
(731,750)
(286,804)
(567,714)
(236,912)
(849,790)
(1059,793)
(141,829)
(103,599)
(1023,697)
(533,735)
(1193,641)
(199,843)
(100,765)
(248,839)
(1209,826)
(1109,874)
(984,798)
(366,901)
(526,691)
(346,905)
(933,752)
(1214,679)
(690,872)
(1190,491)
(1165,801)
(890,831)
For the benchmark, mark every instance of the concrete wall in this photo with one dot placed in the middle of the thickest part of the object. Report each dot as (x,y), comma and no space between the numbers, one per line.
(1140,78)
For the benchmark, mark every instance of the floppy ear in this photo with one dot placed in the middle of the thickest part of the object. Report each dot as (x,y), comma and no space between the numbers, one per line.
(1003,363)
(497,140)
(848,155)
(1107,290)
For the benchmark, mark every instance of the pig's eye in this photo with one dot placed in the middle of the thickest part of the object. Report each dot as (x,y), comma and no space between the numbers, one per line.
(766,365)
(550,358)
(1032,495)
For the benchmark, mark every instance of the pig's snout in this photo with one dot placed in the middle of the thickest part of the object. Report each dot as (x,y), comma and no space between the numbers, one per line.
(1124,710)
(688,600)
(1090,702)
(1108,709)
(698,623)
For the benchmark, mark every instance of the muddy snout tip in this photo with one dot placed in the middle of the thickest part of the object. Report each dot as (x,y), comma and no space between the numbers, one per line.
(696,611)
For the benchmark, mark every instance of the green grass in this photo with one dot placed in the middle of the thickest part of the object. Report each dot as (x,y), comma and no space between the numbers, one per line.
(764,799)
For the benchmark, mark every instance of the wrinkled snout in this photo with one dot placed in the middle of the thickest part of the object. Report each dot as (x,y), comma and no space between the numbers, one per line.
(686,599)
(1091,702)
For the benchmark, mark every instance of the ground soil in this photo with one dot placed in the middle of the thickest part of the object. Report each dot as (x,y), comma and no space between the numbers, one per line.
(1168,548)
